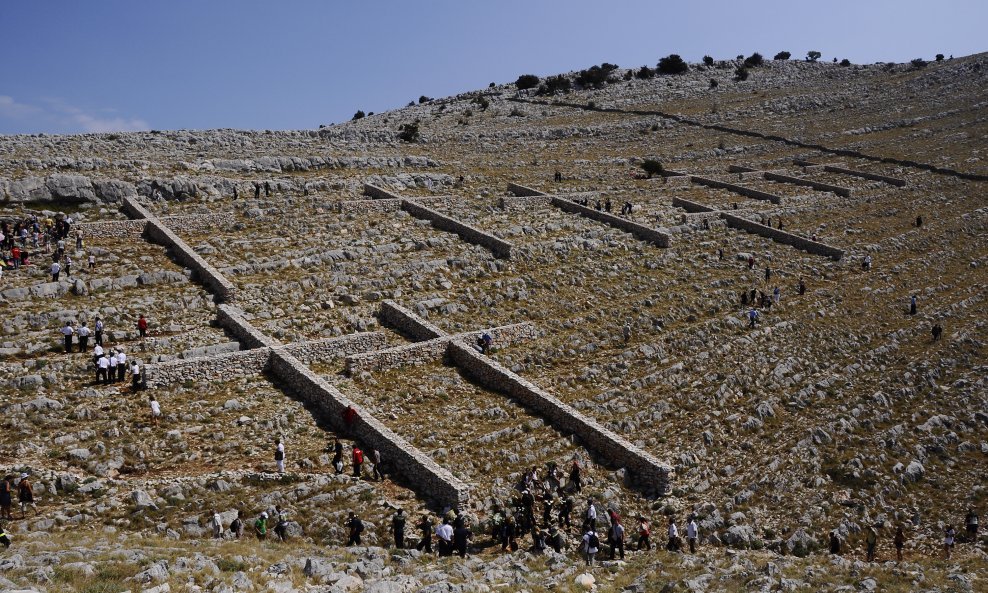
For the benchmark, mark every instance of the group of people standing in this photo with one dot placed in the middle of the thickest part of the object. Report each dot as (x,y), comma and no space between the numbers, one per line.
(110,363)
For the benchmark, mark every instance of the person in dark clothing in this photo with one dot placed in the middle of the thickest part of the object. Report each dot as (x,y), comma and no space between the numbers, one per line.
(461,535)
(834,543)
(919,221)
(802,287)
(607,205)
(937,331)
(354,528)
(565,509)
(971,524)
(267,189)
(528,507)
(398,528)
(768,273)
(575,482)
(425,543)
(337,455)
(556,540)
(912,305)
(744,298)
(257,191)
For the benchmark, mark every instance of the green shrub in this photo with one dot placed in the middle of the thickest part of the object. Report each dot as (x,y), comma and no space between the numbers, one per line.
(713,83)
(554,84)
(527,81)
(918,63)
(741,73)
(482,102)
(359,115)
(424,99)
(644,73)
(813,55)
(708,61)
(672,64)
(652,167)
(596,76)
(754,60)
(939,57)
(409,132)
(845,62)
(782,55)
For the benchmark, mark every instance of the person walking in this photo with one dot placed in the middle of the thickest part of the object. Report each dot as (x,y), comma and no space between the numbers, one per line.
(871,543)
(354,528)
(834,542)
(98,331)
(971,524)
(591,545)
(376,460)
(55,269)
(83,337)
(948,541)
(425,528)
(121,365)
(590,519)
(444,537)
(135,375)
(900,541)
(67,332)
(644,534)
(337,455)
(398,528)
(111,370)
(692,534)
(103,369)
(217,524)
(575,481)
(25,495)
(358,460)
(279,455)
(237,527)
(673,544)
(4,538)
(6,497)
(281,523)
(155,410)
(261,526)
(616,535)
(461,538)
(912,305)
(142,327)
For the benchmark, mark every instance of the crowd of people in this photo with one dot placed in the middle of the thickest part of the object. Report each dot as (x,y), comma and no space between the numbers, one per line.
(31,236)
(109,364)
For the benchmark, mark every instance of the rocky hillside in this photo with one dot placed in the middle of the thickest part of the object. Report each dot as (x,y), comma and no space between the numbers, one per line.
(836,412)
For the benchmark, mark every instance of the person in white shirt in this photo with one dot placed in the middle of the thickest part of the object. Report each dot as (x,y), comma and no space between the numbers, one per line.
(83,337)
(135,374)
(121,365)
(67,332)
(92,261)
(445,534)
(98,331)
(155,411)
(102,369)
(279,456)
(673,544)
(591,519)
(217,524)
(55,269)
(111,368)
(692,532)
(591,545)
(97,352)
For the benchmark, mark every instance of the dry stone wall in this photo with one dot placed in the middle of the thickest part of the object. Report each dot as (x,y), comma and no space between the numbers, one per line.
(125,229)
(817,185)
(221,367)
(748,192)
(644,469)
(394,315)
(658,236)
(232,319)
(499,247)
(377,205)
(316,350)
(427,477)
(783,237)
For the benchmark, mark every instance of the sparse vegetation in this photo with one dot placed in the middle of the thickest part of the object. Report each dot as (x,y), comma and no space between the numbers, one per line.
(672,64)
(652,167)
(754,60)
(939,57)
(424,99)
(741,73)
(409,132)
(918,63)
(845,62)
(782,55)
(596,76)
(554,85)
(813,55)
(358,115)
(644,73)
(527,81)
(708,61)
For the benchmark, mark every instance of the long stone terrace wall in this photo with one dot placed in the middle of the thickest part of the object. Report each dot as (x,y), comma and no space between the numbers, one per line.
(314,350)
(844,192)
(499,247)
(782,236)
(810,166)
(644,469)
(394,315)
(378,205)
(523,191)
(657,236)
(690,206)
(417,353)
(425,476)
(747,192)
(200,223)
(379,193)
(210,276)
(232,319)
(126,229)
(246,363)
(511,203)
(435,349)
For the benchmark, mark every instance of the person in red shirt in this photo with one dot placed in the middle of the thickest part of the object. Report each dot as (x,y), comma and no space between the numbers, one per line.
(142,327)
(358,460)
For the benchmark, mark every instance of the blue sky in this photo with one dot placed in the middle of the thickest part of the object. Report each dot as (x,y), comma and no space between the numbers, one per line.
(70,66)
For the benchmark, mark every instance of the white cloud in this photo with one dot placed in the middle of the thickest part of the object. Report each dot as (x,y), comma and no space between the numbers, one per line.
(14,110)
(55,115)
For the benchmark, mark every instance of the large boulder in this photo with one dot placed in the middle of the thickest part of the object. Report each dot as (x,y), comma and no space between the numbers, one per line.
(29,189)
(73,188)
(114,190)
